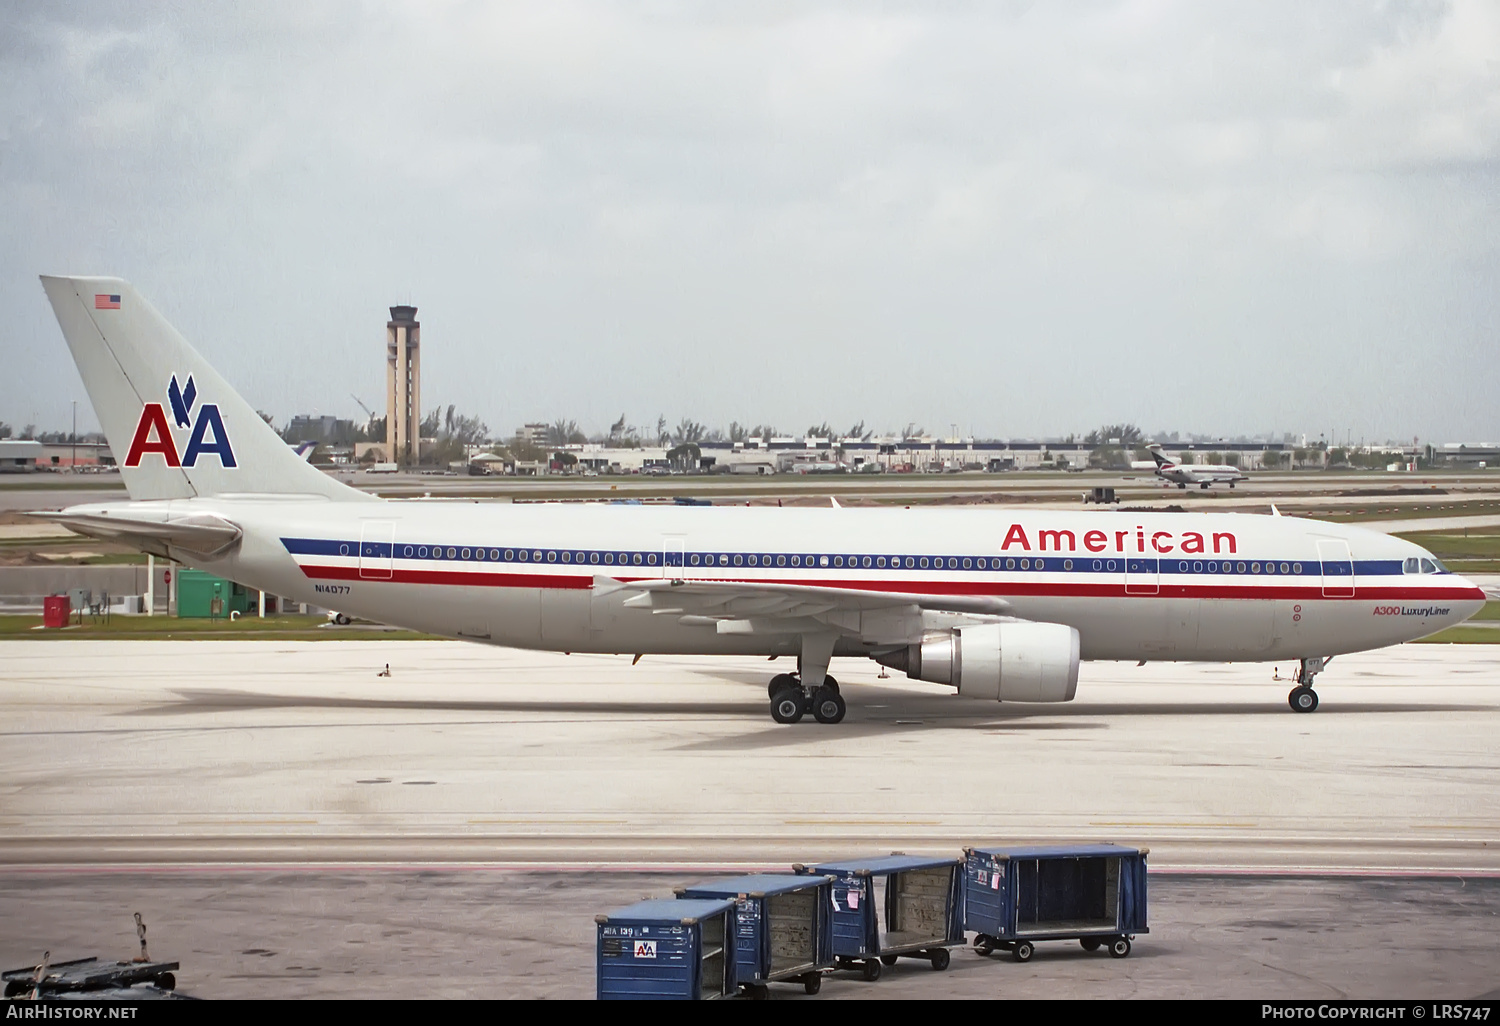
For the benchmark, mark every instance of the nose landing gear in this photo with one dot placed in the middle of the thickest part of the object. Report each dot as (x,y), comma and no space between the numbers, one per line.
(1303,698)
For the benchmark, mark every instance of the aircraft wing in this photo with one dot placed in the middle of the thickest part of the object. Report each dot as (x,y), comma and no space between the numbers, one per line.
(752,607)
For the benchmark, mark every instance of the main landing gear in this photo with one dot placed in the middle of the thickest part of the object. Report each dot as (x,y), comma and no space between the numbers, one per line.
(810,690)
(790,701)
(1303,698)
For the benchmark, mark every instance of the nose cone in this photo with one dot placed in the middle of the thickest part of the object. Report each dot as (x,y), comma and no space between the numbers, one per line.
(1470,598)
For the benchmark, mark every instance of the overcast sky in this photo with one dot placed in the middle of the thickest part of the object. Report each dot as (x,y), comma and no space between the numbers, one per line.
(1022,219)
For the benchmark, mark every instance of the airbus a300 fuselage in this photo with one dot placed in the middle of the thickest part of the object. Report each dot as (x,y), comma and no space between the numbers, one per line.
(1001,605)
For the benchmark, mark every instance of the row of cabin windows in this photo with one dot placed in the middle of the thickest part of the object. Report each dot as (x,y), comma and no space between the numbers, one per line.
(1412,565)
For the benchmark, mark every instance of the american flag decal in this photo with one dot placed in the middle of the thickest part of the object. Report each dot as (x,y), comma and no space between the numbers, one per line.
(103,302)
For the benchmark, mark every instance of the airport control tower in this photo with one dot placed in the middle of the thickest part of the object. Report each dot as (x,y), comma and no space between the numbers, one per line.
(403,392)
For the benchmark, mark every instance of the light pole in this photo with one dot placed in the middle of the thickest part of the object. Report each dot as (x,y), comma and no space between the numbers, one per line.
(74,467)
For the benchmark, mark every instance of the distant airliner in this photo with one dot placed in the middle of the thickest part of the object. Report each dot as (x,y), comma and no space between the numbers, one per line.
(1184,474)
(1001,605)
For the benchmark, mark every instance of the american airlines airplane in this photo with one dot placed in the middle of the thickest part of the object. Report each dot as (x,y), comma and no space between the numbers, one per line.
(1001,606)
(1184,474)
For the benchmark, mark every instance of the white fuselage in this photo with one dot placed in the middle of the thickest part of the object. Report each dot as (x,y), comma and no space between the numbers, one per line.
(1160,586)
(1200,474)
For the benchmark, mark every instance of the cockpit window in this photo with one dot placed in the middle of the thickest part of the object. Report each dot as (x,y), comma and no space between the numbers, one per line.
(1411,565)
(1432,566)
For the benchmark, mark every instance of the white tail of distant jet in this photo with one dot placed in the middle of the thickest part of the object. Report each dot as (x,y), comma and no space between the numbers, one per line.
(999,604)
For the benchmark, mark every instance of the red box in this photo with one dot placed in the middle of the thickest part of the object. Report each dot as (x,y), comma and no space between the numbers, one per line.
(55,611)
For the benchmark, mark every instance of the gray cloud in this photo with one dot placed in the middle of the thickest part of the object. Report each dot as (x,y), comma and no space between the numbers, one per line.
(1022,220)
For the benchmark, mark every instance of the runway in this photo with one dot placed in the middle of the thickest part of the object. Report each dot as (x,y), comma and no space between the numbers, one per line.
(186,754)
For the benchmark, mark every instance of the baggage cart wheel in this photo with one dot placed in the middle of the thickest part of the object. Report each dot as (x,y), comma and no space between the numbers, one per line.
(872,969)
(812,982)
(1023,951)
(940,959)
(1089,943)
(888,959)
(786,707)
(1119,947)
(983,944)
(166,981)
(781,680)
(827,705)
(15,988)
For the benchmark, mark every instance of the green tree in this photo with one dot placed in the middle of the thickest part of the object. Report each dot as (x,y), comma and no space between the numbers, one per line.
(688,431)
(1124,435)
(1109,457)
(686,456)
(565,432)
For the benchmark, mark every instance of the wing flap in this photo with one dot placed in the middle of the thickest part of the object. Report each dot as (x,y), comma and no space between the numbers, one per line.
(752,607)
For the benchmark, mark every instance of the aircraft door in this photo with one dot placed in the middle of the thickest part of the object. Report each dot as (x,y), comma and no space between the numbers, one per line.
(1141,576)
(672,563)
(377,542)
(1338,568)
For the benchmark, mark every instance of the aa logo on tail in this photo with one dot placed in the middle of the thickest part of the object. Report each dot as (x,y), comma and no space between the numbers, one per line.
(154,435)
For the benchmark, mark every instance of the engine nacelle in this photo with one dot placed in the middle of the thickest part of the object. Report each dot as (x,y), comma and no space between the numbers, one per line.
(1005,662)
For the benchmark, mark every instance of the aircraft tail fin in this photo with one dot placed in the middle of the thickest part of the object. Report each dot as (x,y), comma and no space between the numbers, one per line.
(176,428)
(1159,455)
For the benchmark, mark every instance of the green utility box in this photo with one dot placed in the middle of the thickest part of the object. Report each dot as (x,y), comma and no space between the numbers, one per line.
(202,595)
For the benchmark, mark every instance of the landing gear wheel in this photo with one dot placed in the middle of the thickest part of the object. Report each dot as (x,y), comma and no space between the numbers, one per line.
(830,684)
(872,970)
(1023,951)
(812,982)
(787,705)
(782,680)
(1119,947)
(1089,943)
(887,959)
(940,959)
(827,705)
(1303,699)
(166,981)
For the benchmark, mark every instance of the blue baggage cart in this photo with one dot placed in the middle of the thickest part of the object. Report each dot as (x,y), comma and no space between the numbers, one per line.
(784,927)
(659,950)
(891,907)
(1094,894)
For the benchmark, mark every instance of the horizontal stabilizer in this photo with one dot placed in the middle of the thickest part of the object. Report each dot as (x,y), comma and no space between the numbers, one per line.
(198,535)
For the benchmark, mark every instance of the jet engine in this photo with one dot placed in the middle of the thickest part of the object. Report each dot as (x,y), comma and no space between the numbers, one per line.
(1005,662)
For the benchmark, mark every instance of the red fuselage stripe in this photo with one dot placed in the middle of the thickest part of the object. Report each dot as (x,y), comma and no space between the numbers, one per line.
(483,579)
